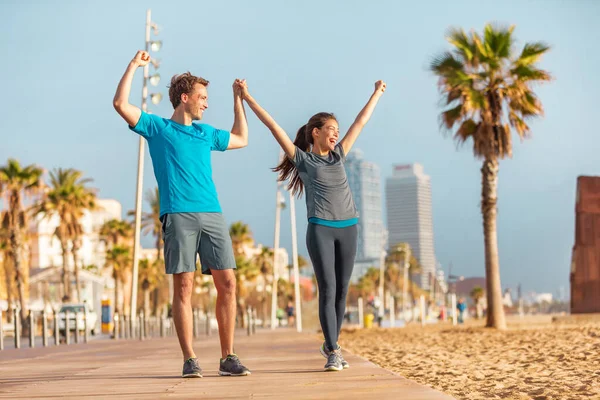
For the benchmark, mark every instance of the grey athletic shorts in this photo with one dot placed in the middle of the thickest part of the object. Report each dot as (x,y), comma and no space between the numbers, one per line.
(188,234)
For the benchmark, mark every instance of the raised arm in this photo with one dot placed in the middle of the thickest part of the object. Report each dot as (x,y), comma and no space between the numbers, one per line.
(362,118)
(280,135)
(130,113)
(239,131)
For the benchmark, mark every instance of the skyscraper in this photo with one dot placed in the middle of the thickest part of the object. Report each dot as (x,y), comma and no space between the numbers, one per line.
(364,178)
(409,215)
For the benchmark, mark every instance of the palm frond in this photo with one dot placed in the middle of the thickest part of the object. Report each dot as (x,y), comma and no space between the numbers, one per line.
(463,45)
(532,53)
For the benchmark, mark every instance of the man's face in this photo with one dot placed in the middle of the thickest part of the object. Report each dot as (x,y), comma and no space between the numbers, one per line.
(197,102)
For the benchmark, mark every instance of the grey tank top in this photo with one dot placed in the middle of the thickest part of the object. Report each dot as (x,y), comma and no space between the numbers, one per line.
(326,186)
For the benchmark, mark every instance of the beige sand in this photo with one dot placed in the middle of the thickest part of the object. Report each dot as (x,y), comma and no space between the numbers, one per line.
(528,361)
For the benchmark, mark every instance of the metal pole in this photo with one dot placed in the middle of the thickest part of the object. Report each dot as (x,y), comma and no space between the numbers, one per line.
(361,315)
(208,330)
(141,322)
(297,295)
(454,316)
(422,307)
(56,330)
(86,336)
(44,329)
(381,283)
(405,281)
(76,327)
(249,317)
(31,329)
(140,182)
(16,329)
(275,251)
(67,329)
(1,330)
(195,322)
(116,327)
(392,312)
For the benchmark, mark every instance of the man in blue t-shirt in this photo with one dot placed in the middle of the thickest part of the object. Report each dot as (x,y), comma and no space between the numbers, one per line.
(192,222)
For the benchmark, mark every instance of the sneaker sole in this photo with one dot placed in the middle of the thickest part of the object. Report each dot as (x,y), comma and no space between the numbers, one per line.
(333,369)
(196,375)
(222,373)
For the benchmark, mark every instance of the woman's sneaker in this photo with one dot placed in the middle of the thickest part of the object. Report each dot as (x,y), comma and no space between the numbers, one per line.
(334,362)
(325,353)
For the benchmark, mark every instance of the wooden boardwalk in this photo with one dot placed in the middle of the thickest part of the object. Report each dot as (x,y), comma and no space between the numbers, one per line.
(284,365)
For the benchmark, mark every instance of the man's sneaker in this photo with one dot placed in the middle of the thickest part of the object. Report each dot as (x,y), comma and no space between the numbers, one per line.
(325,353)
(191,369)
(334,361)
(231,366)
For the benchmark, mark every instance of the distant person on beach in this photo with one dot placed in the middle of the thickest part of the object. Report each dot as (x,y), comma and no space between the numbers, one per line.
(461,307)
(192,221)
(290,313)
(314,161)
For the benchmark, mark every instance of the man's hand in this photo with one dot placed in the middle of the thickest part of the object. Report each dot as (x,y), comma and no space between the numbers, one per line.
(380,87)
(141,59)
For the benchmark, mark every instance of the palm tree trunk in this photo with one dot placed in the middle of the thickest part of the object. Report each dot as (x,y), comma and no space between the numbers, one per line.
(146,302)
(263,302)
(8,281)
(489,197)
(76,268)
(15,241)
(66,276)
(116,305)
(155,294)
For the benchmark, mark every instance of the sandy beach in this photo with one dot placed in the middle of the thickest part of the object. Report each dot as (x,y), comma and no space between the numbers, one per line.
(533,359)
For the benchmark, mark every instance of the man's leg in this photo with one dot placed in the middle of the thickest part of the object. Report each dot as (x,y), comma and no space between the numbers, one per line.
(226,308)
(182,311)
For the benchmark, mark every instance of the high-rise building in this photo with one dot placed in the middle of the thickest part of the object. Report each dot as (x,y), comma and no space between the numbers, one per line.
(364,178)
(409,215)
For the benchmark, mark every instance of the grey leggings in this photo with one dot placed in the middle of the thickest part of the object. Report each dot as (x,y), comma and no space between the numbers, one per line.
(332,252)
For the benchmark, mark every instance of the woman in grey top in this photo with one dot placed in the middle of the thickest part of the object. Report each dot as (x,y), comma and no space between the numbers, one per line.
(315,163)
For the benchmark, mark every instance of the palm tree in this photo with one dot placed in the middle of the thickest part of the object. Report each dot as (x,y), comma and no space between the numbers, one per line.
(118,257)
(116,232)
(246,271)
(6,261)
(368,283)
(477,294)
(150,277)
(17,182)
(241,236)
(67,198)
(487,92)
(151,224)
(82,199)
(151,220)
(397,255)
(264,261)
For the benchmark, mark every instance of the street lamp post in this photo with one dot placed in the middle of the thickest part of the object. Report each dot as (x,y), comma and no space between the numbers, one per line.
(278,205)
(295,264)
(407,255)
(382,273)
(155,98)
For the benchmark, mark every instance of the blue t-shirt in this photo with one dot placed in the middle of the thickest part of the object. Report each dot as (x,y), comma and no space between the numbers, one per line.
(181,160)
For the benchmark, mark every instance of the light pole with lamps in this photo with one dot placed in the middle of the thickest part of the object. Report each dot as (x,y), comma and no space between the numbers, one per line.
(155,98)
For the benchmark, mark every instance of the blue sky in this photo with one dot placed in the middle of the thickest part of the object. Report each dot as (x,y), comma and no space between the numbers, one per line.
(62,60)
